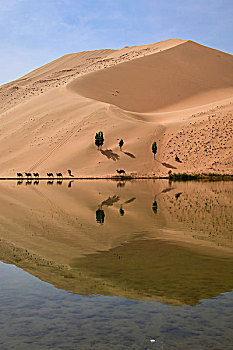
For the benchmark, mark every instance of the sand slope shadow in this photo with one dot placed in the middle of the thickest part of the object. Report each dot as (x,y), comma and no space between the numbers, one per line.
(169,166)
(110,154)
(131,155)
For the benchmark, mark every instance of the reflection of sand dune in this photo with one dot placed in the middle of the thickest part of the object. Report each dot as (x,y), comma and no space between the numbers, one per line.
(51,231)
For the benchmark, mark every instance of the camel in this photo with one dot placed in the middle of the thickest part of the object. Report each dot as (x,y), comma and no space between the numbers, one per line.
(121,171)
(69,172)
(59,175)
(28,174)
(19,174)
(36,174)
(50,174)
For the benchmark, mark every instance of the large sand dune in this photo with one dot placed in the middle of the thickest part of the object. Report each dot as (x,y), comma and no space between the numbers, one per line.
(179,75)
(177,93)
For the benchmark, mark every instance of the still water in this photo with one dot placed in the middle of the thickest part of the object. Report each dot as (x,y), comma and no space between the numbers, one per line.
(116,265)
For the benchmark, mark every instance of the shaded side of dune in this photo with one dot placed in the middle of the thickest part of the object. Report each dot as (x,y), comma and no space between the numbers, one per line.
(162,79)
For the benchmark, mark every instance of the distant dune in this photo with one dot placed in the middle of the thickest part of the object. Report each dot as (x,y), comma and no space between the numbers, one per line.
(177,93)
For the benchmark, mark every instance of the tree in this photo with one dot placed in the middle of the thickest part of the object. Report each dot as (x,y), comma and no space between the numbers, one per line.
(154,148)
(121,143)
(99,139)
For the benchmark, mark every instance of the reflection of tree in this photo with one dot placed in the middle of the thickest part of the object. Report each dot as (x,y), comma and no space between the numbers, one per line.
(122,212)
(110,201)
(155,207)
(100,216)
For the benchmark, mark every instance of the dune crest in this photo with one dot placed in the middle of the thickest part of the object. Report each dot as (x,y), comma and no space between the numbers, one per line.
(155,82)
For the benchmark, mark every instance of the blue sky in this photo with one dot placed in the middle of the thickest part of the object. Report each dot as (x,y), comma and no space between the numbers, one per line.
(34,32)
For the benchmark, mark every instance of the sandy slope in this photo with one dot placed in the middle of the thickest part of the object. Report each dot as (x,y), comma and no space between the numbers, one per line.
(175,77)
(177,93)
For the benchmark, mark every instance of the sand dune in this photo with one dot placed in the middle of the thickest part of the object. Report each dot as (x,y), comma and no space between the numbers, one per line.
(177,93)
(168,78)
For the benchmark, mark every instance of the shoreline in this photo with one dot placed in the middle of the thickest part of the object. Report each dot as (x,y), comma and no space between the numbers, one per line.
(171,177)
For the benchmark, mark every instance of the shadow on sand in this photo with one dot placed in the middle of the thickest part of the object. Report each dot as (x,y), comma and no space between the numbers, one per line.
(110,154)
(131,155)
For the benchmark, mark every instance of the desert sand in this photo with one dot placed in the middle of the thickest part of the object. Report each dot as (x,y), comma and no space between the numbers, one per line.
(177,93)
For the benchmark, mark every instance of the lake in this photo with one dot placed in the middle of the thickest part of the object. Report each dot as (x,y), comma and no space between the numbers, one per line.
(143,264)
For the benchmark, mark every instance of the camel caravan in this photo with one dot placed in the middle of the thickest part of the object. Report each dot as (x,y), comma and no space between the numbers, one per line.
(29,175)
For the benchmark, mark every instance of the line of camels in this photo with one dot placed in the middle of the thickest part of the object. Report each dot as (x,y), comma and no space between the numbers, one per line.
(37,175)
(58,175)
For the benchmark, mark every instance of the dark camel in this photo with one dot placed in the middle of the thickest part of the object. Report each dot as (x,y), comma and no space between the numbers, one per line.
(50,174)
(36,175)
(28,174)
(59,175)
(19,174)
(120,171)
(69,172)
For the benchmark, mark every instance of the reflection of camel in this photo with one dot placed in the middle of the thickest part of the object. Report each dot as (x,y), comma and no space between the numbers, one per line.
(36,182)
(121,184)
(19,182)
(28,182)
(59,182)
(110,154)
(50,182)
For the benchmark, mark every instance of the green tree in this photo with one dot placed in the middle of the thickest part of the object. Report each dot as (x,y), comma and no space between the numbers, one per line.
(154,148)
(121,143)
(99,139)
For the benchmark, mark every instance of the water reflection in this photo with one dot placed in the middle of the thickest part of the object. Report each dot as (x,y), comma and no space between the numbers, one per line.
(183,256)
(121,184)
(50,182)
(177,195)
(100,216)
(121,211)
(155,207)
(70,183)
